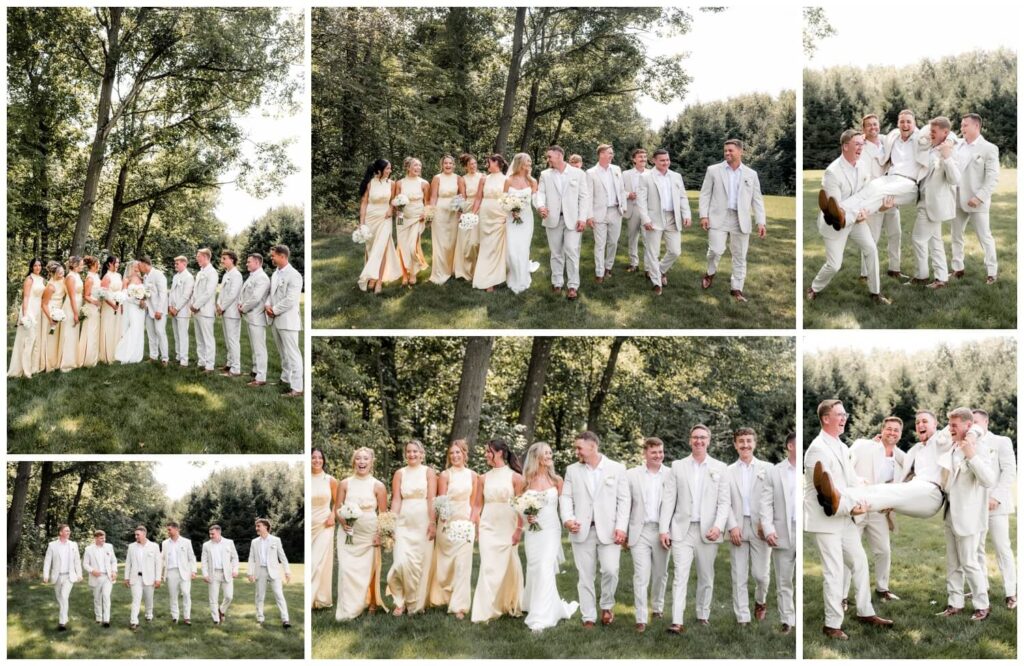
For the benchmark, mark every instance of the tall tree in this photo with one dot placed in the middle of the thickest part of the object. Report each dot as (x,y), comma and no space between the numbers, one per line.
(15,513)
(533,387)
(597,399)
(475,364)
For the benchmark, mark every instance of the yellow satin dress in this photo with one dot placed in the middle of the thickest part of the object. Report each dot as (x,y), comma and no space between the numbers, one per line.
(409,576)
(410,228)
(453,562)
(359,561)
(468,243)
(69,330)
(499,583)
(25,356)
(322,540)
(89,336)
(490,263)
(110,322)
(445,229)
(381,258)
(53,345)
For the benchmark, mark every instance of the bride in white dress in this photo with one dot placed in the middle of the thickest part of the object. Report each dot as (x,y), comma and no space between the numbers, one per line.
(131,346)
(519,235)
(544,555)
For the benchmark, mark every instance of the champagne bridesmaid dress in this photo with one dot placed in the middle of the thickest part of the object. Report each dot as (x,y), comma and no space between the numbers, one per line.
(381,258)
(69,330)
(499,584)
(490,263)
(89,336)
(53,345)
(322,539)
(468,243)
(110,322)
(445,229)
(453,562)
(25,355)
(409,576)
(359,561)
(410,228)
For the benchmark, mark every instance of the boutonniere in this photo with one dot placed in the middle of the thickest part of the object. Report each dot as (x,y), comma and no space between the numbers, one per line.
(760,475)
(715,476)
(609,481)
(746,181)
(979,159)
(572,183)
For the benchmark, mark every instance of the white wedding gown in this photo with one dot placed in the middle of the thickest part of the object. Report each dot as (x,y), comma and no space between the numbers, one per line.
(519,236)
(131,346)
(544,556)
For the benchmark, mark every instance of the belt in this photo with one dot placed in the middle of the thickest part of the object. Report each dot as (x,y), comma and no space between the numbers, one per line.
(904,176)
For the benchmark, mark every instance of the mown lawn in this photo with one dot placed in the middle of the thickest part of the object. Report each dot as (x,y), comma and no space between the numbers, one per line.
(32,625)
(625,301)
(437,635)
(919,579)
(965,303)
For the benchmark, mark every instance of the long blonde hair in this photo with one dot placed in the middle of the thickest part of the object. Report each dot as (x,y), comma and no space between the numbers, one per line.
(130,269)
(518,161)
(532,466)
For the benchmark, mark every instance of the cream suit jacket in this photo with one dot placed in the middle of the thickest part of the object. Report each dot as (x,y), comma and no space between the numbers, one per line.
(285,291)
(837,461)
(186,557)
(1000,452)
(51,562)
(180,296)
(938,188)
(980,175)
(573,203)
(145,559)
(648,198)
(967,488)
(869,458)
(775,503)
(157,283)
(638,497)
(102,560)
(714,197)
(230,290)
(677,506)
(607,508)
(255,290)
(838,185)
(204,293)
(598,195)
(761,469)
(277,561)
(229,559)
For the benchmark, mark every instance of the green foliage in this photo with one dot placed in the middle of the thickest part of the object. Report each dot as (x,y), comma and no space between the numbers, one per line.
(285,224)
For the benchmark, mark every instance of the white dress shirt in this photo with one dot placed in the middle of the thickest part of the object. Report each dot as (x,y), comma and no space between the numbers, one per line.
(217,555)
(734,186)
(697,488)
(264,547)
(605,173)
(789,485)
(746,481)
(594,476)
(172,555)
(664,184)
(888,469)
(64,551)
(652,494)
(926,464)
(635,177)
(902,158)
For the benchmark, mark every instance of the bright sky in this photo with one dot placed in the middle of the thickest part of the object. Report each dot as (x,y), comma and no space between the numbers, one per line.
(937,32)
(818,341)
(180,474)
(741,50)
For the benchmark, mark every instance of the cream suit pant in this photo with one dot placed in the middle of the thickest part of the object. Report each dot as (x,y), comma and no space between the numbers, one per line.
(179,585)
(277,587)
(728,232)
(141,592)
(650,560)
(287,343)
(962,564)
(684,552)
(179,327)
(837,550)
(871,197)
(565,255)
(876,527)
(927,242)
(101,588)
(587,555)
(980,220)
(785,570)
(221,580)
(654,266)
(999,529)
(915,498)
(634,232)
(156,333)
(258,343)
(606,240)
(753,557)
(860,235)
(887,222)
(62,590)
(206,345)
(233,341)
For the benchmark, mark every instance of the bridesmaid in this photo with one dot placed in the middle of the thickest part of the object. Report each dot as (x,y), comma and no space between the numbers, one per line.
(412,500)
(25,357)
(468,243)
(323,494)
(53,297)
(499,584)
(411,220)
(89,336)
(110,311)
(359,561)
(381,264)
(72,304)
(443,188)
(490,264)
(453,562)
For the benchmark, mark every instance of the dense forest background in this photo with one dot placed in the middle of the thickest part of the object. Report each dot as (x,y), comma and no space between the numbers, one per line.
(427,81)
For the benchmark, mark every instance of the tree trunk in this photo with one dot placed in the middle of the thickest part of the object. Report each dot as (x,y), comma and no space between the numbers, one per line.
(597,400)
(387,380)
(558,126)
(475,365)
(533,388)
(16,513)
(530,124)
(116,208)
(45,486)
(511,82)
(83,478)
(141,244)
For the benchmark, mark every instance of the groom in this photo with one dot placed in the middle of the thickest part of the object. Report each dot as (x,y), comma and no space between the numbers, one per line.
(564,200)
(156,310)
(595,506)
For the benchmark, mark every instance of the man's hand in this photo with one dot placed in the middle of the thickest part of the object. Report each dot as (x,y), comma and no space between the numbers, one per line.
(620,537)
(127,584)
(631,196)
(762,231)
(543,210)
(581,225)
(158,315)
(97,573)
(666,540)
(705,223)
(287,578)
(945,150)
(193,575)
(862,215)
(649,227)
(194,309)
(220,310)
(772,540)
(968,446)
(687,222)
(572,525)
(861,508)
(713,534)
(206,578)
(735,536)
(590,222)
(887,203)
(974,202)
(252,579)
(173,311)
(156,585)
(992,504)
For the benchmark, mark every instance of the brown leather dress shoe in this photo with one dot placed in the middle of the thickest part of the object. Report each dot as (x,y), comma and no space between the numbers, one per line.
(937,284)
(641,627)
(835,634)
(981,614)
(785,629)
(607,617)
(828,496)
(991,279)
(879,299)
(705,282)
(874,620)
(632,269)
(811,294)
(959,274)
(703,621)
(836,212)
(599,279)
(657,290)
(950,611)
(760,611)
(674,629)
(664,280)
(293,394)
(886,595)
(572,294)
(556,290)
(1011,602)
(845,603)
(256,383)
(658,616)
(895,274)
(738,295)
(588,624)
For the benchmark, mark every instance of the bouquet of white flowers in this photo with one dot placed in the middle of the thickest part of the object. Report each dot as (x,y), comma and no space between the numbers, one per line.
(386,524)
(443,509)
(362,235)
(119,297)
(461,531)
(137,291)
(400,202)
(529,504)
(350,513)
(101,294)
(428,214)
(56,316)
(458,203)
(468,221)
(513,203)
(27,321)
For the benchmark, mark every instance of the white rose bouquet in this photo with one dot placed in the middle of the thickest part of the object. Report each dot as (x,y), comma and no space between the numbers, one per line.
(137,291)
(513,203)
(56,316)
(443,508)
(350,513)
(529,504)
(428,214)
(400,202)
(461,531)
(27,321)
(458,203)
(362,235)
(386,524)
(468,221)
(119,297)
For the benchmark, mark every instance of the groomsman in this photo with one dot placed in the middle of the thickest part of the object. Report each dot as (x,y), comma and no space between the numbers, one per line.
(978,161)
(608,196)
(936,204)
(999,450)
(650,559)
(729,196)
(634,224)
(268,563)
(62,565)
(250,306)
(778,521)
(204,309)
(564,200)
(694,513)
(876,158)
(595,504)
(282,310)
(664,211)
(100,564)
(220,568)
(179,568)
(142,569)
(156,310)
(178,307)
(749,553)
(227,307)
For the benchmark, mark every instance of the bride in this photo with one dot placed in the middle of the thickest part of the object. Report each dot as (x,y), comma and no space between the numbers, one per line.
(519,234)
(131,346)
(544,553)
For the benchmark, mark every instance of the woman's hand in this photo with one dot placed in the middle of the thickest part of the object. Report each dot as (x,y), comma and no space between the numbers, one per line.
(516,536)
(431,531)
(330,521)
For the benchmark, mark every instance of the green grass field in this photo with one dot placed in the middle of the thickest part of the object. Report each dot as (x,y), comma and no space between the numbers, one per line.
(437,635)
(624,301)
(32,625)
(919,579)
(146,408)
(965,303)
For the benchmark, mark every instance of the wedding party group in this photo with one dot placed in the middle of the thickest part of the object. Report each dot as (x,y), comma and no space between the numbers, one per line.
(67,322)
(147,567)
(964,470)
(482,224)
(950,180)
(680,514)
